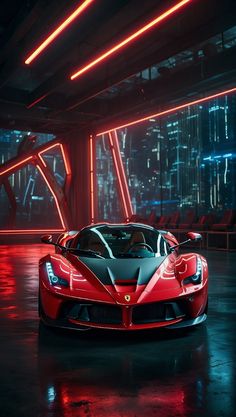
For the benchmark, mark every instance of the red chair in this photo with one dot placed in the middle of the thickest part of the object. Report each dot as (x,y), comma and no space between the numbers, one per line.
(162,222)
(188,221)
(226,223)
(134,218)
(204,222)
(151,218)
(174,220)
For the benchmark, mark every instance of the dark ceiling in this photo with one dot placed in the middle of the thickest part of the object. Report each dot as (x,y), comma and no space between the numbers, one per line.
(41,97)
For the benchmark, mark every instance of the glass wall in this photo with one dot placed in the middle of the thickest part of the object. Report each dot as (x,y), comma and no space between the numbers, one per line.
(11,142)
(26,202)
(185,160)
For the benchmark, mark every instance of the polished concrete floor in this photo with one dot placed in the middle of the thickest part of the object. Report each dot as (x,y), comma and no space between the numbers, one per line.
(46,373)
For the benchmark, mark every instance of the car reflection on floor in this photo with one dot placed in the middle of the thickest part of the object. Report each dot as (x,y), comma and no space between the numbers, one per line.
(101,374)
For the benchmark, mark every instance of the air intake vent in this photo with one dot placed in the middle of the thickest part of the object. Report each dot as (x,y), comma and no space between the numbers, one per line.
(92,312)
(126,282)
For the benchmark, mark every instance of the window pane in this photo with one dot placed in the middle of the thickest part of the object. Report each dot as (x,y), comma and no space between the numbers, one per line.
(108,202)
(186,160)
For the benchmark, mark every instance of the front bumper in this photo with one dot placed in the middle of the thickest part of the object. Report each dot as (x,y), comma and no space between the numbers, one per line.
(82,314)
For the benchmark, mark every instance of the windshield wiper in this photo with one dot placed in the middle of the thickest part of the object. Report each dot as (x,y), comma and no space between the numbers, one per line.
(128,255)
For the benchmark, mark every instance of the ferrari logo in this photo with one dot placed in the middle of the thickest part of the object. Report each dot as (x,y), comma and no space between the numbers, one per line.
(127,298)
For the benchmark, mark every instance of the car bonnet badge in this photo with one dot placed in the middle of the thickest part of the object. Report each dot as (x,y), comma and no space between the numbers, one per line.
(127,298)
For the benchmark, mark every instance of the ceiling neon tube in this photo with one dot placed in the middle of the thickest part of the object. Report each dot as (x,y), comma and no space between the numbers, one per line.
(130,38)
(58,31)
(170,110)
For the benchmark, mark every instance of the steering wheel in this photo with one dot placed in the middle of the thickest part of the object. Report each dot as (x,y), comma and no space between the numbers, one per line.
(148,247)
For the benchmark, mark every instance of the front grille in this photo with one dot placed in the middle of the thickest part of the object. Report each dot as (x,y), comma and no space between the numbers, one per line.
(92,312)
(156,312)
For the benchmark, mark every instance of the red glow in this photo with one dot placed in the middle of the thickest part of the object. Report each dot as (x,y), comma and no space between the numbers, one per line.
(91,169)
(130,38)
(54,195)
(65,159)
(29,231)
(36,101)
(42,160)
(58,31)
(36,157)
(171,110)
(18,164)
(118,177)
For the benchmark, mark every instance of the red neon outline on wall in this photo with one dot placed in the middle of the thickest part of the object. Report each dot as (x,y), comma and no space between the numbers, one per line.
(64,157)
(124,204)
(65,160)
(12,167)
(170,110)
(33,158)
(123,176)
(54,195)
(91,175)
(28,231)
(130,38)
(57,31)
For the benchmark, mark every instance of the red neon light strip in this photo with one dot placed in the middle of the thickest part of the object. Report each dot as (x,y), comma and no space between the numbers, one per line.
(29,231)
(91,168)
(128,200)
(29,106)
(54,195)
(42,160)
(66,161)
(171,110)
(130,38)
(50,147)
(57,32)
(12,167)
(118,177)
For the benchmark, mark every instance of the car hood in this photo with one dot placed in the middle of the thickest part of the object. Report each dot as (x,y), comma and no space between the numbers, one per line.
(144,279)
(112,271)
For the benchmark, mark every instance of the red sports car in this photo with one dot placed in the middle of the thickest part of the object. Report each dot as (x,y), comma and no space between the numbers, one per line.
(122,276)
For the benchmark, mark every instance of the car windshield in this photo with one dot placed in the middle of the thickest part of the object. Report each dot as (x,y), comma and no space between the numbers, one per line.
(128,241)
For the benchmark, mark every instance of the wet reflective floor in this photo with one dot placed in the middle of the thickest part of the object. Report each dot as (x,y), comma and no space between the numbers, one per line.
(45,373)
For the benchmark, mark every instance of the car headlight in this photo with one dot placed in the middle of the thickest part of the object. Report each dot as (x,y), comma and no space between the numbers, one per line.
(197,277)
(54,279)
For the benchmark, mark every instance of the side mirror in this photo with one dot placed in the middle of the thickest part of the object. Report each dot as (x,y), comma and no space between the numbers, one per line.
(46,239)
(191,236)
(194,236)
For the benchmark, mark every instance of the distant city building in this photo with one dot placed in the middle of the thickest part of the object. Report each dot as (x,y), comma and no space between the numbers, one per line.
(186,160)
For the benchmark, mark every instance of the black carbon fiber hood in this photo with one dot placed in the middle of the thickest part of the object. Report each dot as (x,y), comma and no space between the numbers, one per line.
(108,271)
